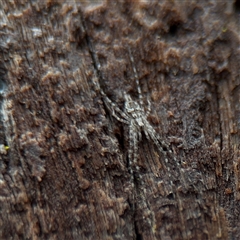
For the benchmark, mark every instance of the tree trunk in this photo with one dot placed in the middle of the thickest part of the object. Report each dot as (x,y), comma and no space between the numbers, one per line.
(120,120)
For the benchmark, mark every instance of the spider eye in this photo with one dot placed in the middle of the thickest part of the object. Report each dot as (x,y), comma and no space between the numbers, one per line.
(134,105)
(130,106)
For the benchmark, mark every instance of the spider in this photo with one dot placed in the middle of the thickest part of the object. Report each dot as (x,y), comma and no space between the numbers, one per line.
(135,116)
(132,115)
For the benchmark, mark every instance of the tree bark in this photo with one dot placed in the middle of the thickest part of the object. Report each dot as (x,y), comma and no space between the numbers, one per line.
(66,170)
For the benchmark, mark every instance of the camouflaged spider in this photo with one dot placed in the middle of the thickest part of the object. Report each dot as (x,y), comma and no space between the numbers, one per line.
(135,116)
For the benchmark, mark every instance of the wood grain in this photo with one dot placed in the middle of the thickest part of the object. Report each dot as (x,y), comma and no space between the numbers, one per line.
(65,174)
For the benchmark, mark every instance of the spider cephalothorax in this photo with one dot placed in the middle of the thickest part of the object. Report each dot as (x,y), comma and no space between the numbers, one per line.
(134,111)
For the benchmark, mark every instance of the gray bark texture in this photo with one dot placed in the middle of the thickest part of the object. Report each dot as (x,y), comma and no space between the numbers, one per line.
(71,169)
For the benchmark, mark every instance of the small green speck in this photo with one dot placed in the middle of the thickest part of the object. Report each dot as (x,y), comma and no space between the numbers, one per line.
(224,29)
(6,147)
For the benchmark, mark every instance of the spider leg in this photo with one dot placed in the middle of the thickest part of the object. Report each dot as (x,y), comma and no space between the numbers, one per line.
(131,156)
(124,118)
(168,149)
(148,107)
(161,144)
(149,137)
(156,139)
(136,79)
(151,134)
(135,137)
(133,148)
(116,116)
(136,140)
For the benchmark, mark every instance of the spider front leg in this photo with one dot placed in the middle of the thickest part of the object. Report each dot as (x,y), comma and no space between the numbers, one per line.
(151,134)
(113,108)
(136,79)
(148,107)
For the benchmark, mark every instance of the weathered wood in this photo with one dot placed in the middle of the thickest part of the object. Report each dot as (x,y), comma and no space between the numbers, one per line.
(66,172)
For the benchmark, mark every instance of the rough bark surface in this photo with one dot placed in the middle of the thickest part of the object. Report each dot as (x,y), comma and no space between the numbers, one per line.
(66,173)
